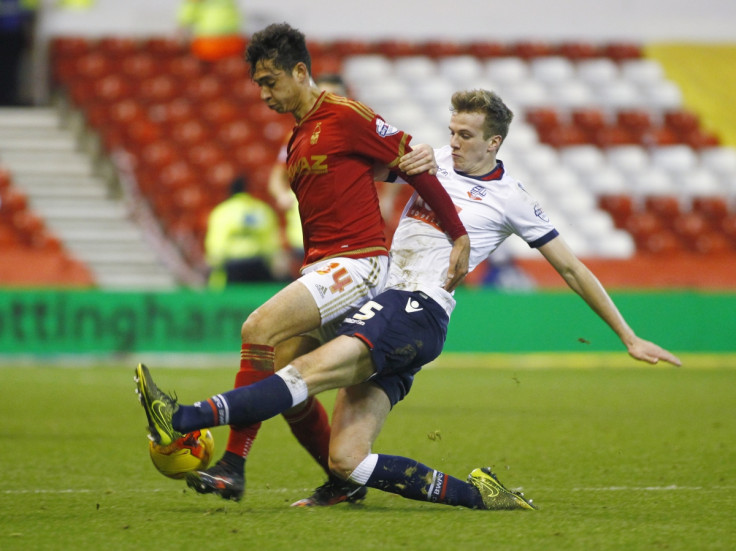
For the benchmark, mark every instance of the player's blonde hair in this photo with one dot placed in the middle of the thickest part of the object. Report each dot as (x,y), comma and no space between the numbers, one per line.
(497,115)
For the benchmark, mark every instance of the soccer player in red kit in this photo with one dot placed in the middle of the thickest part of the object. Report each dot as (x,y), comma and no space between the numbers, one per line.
(335,144)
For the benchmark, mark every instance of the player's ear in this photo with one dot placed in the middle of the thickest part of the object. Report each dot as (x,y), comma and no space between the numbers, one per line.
(300,73)
(494,143)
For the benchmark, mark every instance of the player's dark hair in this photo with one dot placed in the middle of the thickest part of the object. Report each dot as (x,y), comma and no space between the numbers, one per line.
(281,44)
(497,115)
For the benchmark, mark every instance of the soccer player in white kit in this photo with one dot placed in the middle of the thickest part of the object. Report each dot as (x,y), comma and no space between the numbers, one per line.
(383,344)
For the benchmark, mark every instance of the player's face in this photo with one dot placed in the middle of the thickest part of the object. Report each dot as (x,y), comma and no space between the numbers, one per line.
(471,153)
(279,88)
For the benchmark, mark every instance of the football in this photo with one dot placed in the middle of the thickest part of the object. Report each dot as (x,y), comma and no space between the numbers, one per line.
(191,452)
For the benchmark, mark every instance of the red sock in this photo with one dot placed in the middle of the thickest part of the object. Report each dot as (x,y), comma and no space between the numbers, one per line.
(256,363)
(312,428)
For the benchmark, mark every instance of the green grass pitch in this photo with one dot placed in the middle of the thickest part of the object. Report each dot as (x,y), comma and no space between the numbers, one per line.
(625,459)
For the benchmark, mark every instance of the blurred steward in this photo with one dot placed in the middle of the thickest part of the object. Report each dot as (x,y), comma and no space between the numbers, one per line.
(17,19)
(243,242)
(213,28)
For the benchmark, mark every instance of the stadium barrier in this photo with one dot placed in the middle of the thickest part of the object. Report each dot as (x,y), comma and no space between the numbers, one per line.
(45,323)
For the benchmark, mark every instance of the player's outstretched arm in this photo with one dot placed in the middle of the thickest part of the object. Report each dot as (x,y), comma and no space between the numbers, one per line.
(581,280)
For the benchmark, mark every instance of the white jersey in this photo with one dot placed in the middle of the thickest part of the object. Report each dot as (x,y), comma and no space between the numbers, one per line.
(491,208)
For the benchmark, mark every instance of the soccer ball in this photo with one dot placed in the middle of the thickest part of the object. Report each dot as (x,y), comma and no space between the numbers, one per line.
(191,452)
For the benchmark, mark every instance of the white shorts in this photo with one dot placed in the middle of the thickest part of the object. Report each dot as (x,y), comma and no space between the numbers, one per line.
(340,284)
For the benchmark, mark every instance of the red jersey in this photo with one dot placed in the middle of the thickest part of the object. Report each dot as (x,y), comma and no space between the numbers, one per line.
(330,164)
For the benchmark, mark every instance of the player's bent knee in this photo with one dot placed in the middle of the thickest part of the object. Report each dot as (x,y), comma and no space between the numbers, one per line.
(343,466)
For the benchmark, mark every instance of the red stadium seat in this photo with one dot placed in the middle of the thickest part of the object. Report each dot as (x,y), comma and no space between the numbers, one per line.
(713,243)
(642,225)
(714,209)
(699,139)
(485,50)
(636,121)
(621,51)
(659,137)
(589,120)
(530,49)
(117,46)
(140,65)
(220,111)
(398,48)
(443,48)
(620,207)
(237,133)
(690,226)
(564,136)
(161,153)
(728,228)
(661,242)
(666,207)
(205,155)
(159,88)
(681,121)
(163,46)
(614,135)
(186,67)
(344,48)
(204,89)
(190,132)
(544,118)
(576,51)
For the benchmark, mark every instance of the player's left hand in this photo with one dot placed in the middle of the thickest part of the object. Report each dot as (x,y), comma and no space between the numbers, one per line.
(652,353)
(459,258)
(419,159)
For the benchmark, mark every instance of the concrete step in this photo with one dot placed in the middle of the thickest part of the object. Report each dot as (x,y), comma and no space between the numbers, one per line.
(73,208)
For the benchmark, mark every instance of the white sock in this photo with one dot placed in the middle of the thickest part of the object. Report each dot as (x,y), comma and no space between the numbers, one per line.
(364,470)
(297,386)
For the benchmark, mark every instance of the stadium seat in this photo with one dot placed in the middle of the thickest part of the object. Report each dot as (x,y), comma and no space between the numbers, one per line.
(605,180)
(552,69)
(689,226)
(618,94)
(438,49)
(140,65)
(642,71)
(529,49)
(613,136)
(163,47)
(583,159)
(565,135)
(414,69)
(621,51)
(231,69)
(660,242)
(397,48)
(719,159)
(487,49)
(597,72)
(576,51)
(700,139)
(590,120)
(349,47)
(628,158)
(619,206)
(642,225)
(699,182)
(367,69)
(506,71)
(714,209)
(462,71)
(203,89)
(666,207)
(674,159)
(651,181)
(572,94)
(191,132)
(662,96)
(220,111)
(636,121)
(187,68)
(237,133)
(681,120)
(117,46)
(159,88)
(169,113)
